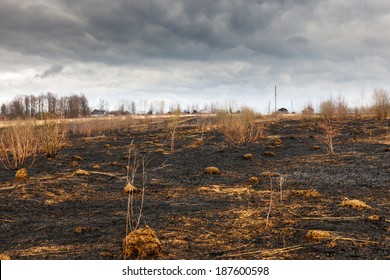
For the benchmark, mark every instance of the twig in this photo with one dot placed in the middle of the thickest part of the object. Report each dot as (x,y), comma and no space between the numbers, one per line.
(265,252)
(270,203)
(7,188)
(7,221)
(332,218)
(104,173)
(162,166)
(358,240)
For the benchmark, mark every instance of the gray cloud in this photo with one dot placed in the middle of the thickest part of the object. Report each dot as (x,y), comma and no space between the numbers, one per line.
(52,71)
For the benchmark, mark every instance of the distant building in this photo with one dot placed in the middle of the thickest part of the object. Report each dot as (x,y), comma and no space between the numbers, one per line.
(283,111)
(98,113)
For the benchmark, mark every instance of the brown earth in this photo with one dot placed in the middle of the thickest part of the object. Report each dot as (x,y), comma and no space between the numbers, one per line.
(60,214)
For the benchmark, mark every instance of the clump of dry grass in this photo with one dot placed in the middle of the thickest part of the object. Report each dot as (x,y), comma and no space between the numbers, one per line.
(247,156)
(212,170)
(375,218)
(213,188)
(18,144)
(254,180)
(240,129)
(316,235)
(278,142)
(129,188)
(307,193)
(79,229)
(355,203)
(52,135)
(81,172)
(141,244)
(21,174)
(269,174)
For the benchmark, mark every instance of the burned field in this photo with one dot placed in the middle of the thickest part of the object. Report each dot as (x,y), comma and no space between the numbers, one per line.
(273,199)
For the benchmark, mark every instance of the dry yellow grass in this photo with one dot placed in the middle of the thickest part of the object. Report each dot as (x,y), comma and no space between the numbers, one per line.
(212,170)
(58,197)
(80,229)
(269,174)
(4,257)
(81,172)
(129,188)
(374,218)
(196,144)
(307,193)
(77,157)
(247,156)
(316,235)
(254,180)
(355,203)
(213,188)
(278,141)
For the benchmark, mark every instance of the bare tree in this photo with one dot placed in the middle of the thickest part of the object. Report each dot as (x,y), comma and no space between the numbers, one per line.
(381,105)
(51,103)
(133,108)
(84,107)
(161,107)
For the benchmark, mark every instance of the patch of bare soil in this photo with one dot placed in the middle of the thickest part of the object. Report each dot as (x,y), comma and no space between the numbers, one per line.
(303,204)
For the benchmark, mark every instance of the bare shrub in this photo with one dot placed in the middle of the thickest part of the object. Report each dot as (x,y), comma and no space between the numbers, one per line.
(134,205)
(381,106)
(327,109)
(18,143)
(52,135)
(329,132)
(241,128)
(173,124)
(341,108)
(332,108)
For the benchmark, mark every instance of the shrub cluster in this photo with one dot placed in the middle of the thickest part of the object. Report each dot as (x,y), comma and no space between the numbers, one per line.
(240,128)
(21,140)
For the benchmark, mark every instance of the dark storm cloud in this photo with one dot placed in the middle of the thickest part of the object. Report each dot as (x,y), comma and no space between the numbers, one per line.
(121,31)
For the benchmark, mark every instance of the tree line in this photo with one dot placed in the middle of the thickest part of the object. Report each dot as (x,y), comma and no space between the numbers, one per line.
(31,106)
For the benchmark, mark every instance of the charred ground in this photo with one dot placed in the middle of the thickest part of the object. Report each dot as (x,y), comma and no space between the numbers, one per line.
(56,214)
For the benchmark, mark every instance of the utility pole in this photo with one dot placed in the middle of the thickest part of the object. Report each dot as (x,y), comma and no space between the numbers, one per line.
(275,99)
(292,107)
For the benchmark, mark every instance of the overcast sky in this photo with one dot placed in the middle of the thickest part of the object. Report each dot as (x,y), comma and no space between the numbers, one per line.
(196,51)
